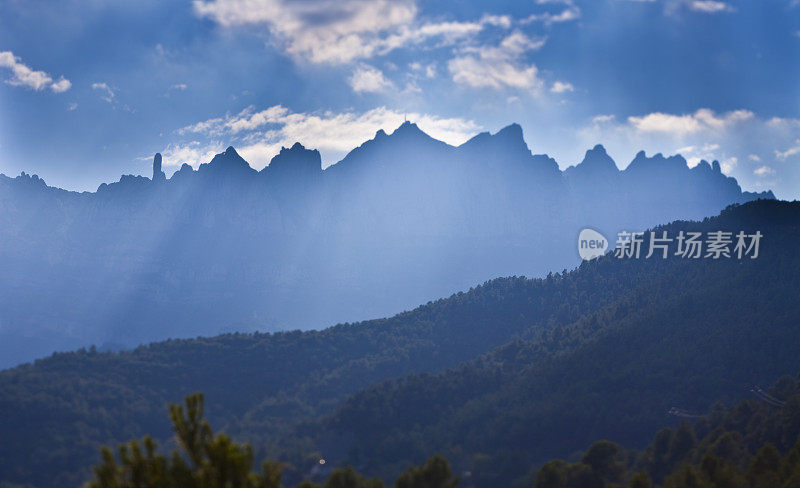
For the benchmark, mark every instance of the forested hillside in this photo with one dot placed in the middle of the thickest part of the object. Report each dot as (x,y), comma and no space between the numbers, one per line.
(498,379)
(259,385)
(700,331)
(753,444)
(209,460)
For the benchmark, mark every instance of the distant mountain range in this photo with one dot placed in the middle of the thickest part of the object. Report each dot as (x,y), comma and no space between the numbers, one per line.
(400,220)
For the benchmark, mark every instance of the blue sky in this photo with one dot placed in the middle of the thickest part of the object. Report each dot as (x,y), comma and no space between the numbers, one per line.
(90,89)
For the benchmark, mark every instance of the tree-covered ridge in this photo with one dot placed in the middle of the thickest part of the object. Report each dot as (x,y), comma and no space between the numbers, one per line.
(755,444)
(262,384)
(697,333)
(752,445)
(549,365)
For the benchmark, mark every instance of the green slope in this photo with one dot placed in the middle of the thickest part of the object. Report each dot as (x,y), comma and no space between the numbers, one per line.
(550,366)
(695,332)
(753,444)
(59,410)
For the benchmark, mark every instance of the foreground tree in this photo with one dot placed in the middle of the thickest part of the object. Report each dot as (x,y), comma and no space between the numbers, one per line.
(434,473)
(345,478)
(598,466)
(204,461)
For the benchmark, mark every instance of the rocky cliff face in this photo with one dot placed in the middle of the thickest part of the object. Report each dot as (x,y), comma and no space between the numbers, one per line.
(158,174)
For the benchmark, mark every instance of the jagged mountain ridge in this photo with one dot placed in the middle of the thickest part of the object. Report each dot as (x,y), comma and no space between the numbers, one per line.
(402,219)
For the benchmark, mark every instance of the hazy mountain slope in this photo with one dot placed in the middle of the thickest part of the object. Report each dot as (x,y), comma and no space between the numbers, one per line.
(699,332)
(258,386)
(400,220)
(60,409)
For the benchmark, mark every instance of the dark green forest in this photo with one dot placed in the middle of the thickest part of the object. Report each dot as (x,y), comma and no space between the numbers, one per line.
(207,460)
(696,332)
(61,408)
(753,444)
(499,379)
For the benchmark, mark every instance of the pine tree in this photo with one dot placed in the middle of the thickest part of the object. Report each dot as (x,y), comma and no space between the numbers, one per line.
(204,461)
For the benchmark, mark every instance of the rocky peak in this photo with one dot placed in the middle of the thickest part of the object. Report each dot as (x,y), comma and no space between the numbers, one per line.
(295,160)
(657,162)
(158,174)
(597,162)
(227,163)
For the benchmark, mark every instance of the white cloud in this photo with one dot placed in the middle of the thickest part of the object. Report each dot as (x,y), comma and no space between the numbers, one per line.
(727,164)
(493,72)
(369,79)
(245,120)
(710,6)
(429,70)
(703,119)
(784,123)
(503,21)
(259,135)
(518,43)
(61,85)
(661,122)
(572,12)
(340,31)
(179,87)
(710,119)
(792,151)
(22,75)
(107,93)
(72,106)
(412,87)
(603,118)
(708,151)
(763,171)
(498,67)
(753,157)
(561,87)
(193,153)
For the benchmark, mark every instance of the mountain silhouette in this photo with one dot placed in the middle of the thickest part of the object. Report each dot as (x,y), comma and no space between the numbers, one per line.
(228,164)
(158,173)
(596,164)
(296,161)
(400,220)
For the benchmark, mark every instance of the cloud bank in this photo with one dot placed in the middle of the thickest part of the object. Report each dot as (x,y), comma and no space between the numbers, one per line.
(23,75)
